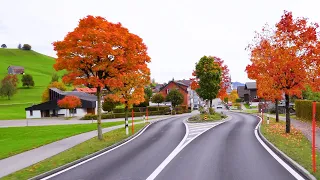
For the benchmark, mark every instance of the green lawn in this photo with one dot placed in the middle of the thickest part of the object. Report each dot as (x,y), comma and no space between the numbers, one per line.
(14,140)
(295,144)
(247,106)
(13,111)
(77,152)
(38,65)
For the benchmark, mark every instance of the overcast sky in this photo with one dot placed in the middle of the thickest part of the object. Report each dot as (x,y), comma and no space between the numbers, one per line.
(177,32)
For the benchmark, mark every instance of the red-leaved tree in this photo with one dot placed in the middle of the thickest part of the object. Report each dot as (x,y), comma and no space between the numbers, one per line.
(97,53)
(69,102)
(288,57)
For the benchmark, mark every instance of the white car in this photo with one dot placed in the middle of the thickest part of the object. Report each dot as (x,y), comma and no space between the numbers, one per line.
(219,106)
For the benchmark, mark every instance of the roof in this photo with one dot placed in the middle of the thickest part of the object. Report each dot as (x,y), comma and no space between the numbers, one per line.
(16,67)
(242,91)
(177,83)
(53,105)
(250,85)
(86,90)
(185,82)
(80,95)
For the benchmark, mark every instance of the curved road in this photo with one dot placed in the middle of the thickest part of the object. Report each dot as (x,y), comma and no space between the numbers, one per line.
(229,151)
(136,159)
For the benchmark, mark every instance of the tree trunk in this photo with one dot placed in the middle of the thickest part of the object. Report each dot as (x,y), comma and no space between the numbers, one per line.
(277,110)
(99,114)
(287,114)
(211,103)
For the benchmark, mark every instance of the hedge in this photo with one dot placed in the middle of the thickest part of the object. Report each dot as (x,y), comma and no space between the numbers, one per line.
(121,115)
(303,110)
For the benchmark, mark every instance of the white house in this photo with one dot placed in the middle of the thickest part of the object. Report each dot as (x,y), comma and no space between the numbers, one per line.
(50,108)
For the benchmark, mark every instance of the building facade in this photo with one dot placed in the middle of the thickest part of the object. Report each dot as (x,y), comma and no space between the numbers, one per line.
(51,108)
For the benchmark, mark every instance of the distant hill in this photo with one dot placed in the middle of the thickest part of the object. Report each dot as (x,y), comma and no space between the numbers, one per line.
(38,65)
(236,84)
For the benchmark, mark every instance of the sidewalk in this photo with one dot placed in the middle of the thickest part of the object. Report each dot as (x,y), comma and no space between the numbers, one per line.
(55,121)
(304,127)
(28,158)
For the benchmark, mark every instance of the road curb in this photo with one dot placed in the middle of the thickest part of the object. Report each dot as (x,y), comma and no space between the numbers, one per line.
(48,173)
(286,158)
(281,154)
(222,120)
(88,156)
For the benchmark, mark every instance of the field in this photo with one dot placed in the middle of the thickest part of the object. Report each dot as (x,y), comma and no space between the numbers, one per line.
(15,140)
(39,66)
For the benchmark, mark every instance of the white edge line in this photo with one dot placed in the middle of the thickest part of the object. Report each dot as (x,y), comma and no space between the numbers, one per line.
(171,156)
(285,165)
(76,165)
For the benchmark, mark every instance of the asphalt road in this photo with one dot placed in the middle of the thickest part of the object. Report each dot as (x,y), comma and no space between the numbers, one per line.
(227,152)
(136,159)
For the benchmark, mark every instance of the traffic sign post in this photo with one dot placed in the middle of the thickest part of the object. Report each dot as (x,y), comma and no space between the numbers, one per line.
(267,118)
(314,105)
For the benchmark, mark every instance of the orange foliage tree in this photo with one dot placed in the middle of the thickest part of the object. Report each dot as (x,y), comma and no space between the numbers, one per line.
(97,53)
(288,57)
(69,102)
(225,79)
(132,92)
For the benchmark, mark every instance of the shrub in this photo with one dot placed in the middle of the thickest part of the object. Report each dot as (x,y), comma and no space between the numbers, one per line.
(27,80)
(153,108)
(211,111)
(54,77)
(238,100)
(109,104)
(26,47)
(304,110)
(120,110)
(3,46)
(157,98)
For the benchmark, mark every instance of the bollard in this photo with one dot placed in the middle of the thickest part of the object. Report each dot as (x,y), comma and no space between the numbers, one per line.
(267,118)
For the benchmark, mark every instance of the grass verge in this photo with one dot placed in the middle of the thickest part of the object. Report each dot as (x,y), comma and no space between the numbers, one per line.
(15,140)
(253,111)
(72,154)
(210,118)
(295,145)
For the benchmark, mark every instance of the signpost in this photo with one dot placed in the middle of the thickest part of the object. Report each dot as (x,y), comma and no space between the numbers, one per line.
(314,105)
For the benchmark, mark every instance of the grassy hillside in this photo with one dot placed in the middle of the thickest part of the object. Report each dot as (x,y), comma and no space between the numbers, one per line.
(36,64)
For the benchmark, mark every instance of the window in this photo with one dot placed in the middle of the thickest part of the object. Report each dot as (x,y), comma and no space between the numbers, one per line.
(168,90)
(73,111)
(31,113)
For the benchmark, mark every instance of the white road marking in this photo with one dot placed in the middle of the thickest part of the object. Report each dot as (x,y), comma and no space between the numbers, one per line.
(176,151)
(76,165)
(285,165)
(202,129)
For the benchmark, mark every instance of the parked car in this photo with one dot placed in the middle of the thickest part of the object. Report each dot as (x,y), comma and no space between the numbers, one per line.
(219,106)
(195,107)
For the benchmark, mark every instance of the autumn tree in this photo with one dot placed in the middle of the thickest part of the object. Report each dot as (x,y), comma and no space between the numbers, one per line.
(27,80)
(97,53)
(208,77)
(8,86)
(132,92)
(268,91)
(233,96)
(288,56)
(157,98)
(59,85)
(175,97)
(69,102)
